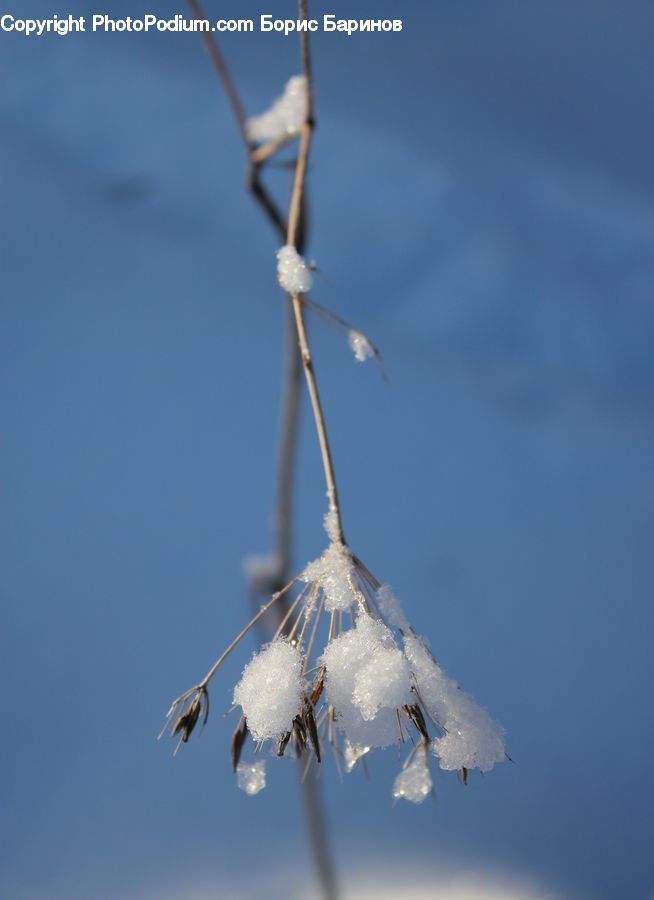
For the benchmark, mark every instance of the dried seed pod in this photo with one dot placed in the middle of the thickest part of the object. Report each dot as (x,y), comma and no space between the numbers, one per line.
(310,724)
(300,735)
(239,738)
(318,684)
(281,747)
(186,723)
(415,714)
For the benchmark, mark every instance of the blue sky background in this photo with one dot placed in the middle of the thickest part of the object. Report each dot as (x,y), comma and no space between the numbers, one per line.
(482,203)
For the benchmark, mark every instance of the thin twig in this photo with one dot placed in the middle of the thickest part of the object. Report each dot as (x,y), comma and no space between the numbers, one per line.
(223,73)
(252,178)
(294,216)
(253,621)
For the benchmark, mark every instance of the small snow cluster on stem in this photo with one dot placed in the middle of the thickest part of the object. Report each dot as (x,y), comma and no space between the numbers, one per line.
(292,272)
(285,117)
(360,346)
(373,684)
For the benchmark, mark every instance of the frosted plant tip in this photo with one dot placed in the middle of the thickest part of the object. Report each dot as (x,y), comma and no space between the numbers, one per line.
(292,271)
(360,346)
(285,117)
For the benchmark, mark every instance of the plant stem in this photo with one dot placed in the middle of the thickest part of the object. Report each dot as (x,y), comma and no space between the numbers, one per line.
(291,238)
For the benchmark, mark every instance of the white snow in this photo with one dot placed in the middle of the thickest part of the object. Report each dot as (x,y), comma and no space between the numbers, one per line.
(414,783)
(367,679)
(392,609)
(251,776)
(472,739)
(271,690)
(330,523)
(334,570)
(286,115)
(384,681)
(360,345)
(292,271)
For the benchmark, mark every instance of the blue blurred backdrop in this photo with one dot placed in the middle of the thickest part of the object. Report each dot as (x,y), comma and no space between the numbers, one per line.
(482,204)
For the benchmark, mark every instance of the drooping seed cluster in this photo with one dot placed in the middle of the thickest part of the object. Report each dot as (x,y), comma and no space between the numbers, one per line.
(373,684)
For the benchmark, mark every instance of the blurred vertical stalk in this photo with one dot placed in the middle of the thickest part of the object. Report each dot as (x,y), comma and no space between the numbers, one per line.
(288,430)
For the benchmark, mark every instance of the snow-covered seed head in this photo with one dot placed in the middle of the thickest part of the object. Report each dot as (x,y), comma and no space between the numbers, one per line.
(271,690)
(373,683)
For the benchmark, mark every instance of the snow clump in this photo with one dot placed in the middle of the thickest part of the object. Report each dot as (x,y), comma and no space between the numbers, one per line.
(472,739)
(360,346)
(334,571)
(368,679)
(251,776)
(286,115)
(292,271)
(271,690)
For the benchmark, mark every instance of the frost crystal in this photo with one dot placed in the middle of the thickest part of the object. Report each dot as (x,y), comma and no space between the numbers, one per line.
(292,272)
(367,680)
(251,776)
(271,690)
(360,346)
(286,115)
(414,782)
(472,739)
(334,570)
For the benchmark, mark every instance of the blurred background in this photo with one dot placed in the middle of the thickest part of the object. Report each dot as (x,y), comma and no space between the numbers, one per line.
(482,206)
